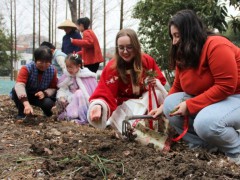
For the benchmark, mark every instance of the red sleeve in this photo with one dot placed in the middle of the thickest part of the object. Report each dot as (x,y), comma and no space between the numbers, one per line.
(79,53)
(105,90)
(87,40)
(54,81)
(222,63)
(23,75)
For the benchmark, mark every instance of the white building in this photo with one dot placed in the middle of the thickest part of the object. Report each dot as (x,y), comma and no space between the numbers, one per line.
(23,60)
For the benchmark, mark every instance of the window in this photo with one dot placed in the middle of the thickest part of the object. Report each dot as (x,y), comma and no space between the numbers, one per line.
(23,62)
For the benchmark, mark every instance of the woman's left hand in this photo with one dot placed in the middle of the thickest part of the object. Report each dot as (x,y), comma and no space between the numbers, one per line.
(40,94)
(181,109)
(151,80)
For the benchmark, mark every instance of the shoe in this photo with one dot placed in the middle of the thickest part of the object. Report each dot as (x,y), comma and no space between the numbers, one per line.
(194,146)
(235,159)
(209,148)
(20,116)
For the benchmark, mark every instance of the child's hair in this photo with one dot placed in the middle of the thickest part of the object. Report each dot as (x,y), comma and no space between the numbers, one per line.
(75,58)
(48,44)
(43,53)
(84,21)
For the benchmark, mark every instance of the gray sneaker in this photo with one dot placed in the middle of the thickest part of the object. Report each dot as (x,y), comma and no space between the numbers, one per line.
(235,160)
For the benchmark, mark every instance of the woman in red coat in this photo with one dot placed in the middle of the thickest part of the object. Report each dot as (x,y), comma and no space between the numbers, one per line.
(123,86)
(91,52)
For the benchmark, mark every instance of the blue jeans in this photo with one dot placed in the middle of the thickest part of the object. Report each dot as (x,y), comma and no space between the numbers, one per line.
(214,126)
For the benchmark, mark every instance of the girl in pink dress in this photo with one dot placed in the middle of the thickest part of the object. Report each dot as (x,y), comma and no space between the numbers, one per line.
(76,85)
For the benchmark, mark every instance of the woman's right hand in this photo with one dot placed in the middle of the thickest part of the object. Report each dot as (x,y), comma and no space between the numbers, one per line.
(96,113)
(156,112)
(27,108)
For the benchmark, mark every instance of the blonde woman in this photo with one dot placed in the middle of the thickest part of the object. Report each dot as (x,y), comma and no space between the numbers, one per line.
(123,86)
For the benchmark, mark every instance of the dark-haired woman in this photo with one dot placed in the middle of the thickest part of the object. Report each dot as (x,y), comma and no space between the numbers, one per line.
(76,85)
(36,84)
(206,86)
(90,52)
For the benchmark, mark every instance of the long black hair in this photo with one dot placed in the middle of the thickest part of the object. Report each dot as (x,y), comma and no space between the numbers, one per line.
(193,34)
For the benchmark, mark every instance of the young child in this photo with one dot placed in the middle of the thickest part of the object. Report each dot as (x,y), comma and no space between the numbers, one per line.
(76,85)
(36,84)
(91,51)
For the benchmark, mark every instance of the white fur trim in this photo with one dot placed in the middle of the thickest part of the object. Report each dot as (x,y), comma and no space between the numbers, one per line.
(160,87)
(65,82)
(64,91)
(85,72)
(105,113)
(82,87)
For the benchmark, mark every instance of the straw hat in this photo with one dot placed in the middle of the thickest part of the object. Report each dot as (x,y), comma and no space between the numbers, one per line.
(67,23)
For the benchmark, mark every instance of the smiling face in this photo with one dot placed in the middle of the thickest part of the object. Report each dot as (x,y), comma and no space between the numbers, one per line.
(125,48)
(175,35)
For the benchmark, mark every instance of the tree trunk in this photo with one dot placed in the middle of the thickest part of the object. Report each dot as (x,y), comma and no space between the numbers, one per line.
(73,9)
(33,26)
(104,32)
(39,23)
(11,14)
(49,21)
(55,31)
(91,13)
(121,15)
(79,8)
(52,23)
(15,36)
(66,16)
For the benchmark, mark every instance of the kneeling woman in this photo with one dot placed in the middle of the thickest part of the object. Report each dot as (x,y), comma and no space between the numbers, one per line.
(122,88)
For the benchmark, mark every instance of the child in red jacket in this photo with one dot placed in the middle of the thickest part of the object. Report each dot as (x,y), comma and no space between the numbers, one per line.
(91,52)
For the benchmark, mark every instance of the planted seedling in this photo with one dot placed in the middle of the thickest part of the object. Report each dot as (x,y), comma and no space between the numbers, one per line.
(173,111)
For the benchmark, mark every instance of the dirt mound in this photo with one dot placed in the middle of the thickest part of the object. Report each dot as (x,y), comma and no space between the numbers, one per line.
(43,148)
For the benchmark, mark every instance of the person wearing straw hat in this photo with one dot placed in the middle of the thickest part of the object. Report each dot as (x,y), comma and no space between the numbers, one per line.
(70,28)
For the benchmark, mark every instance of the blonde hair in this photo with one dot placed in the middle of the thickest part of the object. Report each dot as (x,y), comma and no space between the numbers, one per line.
(136,72)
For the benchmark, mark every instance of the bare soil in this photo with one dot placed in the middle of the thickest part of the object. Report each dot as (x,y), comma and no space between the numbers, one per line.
(43,148)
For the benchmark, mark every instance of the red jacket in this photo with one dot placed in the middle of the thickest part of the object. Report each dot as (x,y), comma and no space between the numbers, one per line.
(91,52)
(216,77)
(112,90)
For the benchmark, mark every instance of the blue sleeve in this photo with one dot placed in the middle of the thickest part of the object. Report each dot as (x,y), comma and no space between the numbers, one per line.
(77,35)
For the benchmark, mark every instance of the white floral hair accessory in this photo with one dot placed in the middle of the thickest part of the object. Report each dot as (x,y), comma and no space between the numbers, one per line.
(75,55)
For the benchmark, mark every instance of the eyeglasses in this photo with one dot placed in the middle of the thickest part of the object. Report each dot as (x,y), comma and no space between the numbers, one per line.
(127,48)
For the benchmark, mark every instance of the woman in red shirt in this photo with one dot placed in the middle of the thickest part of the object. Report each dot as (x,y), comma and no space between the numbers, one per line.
(206,86)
